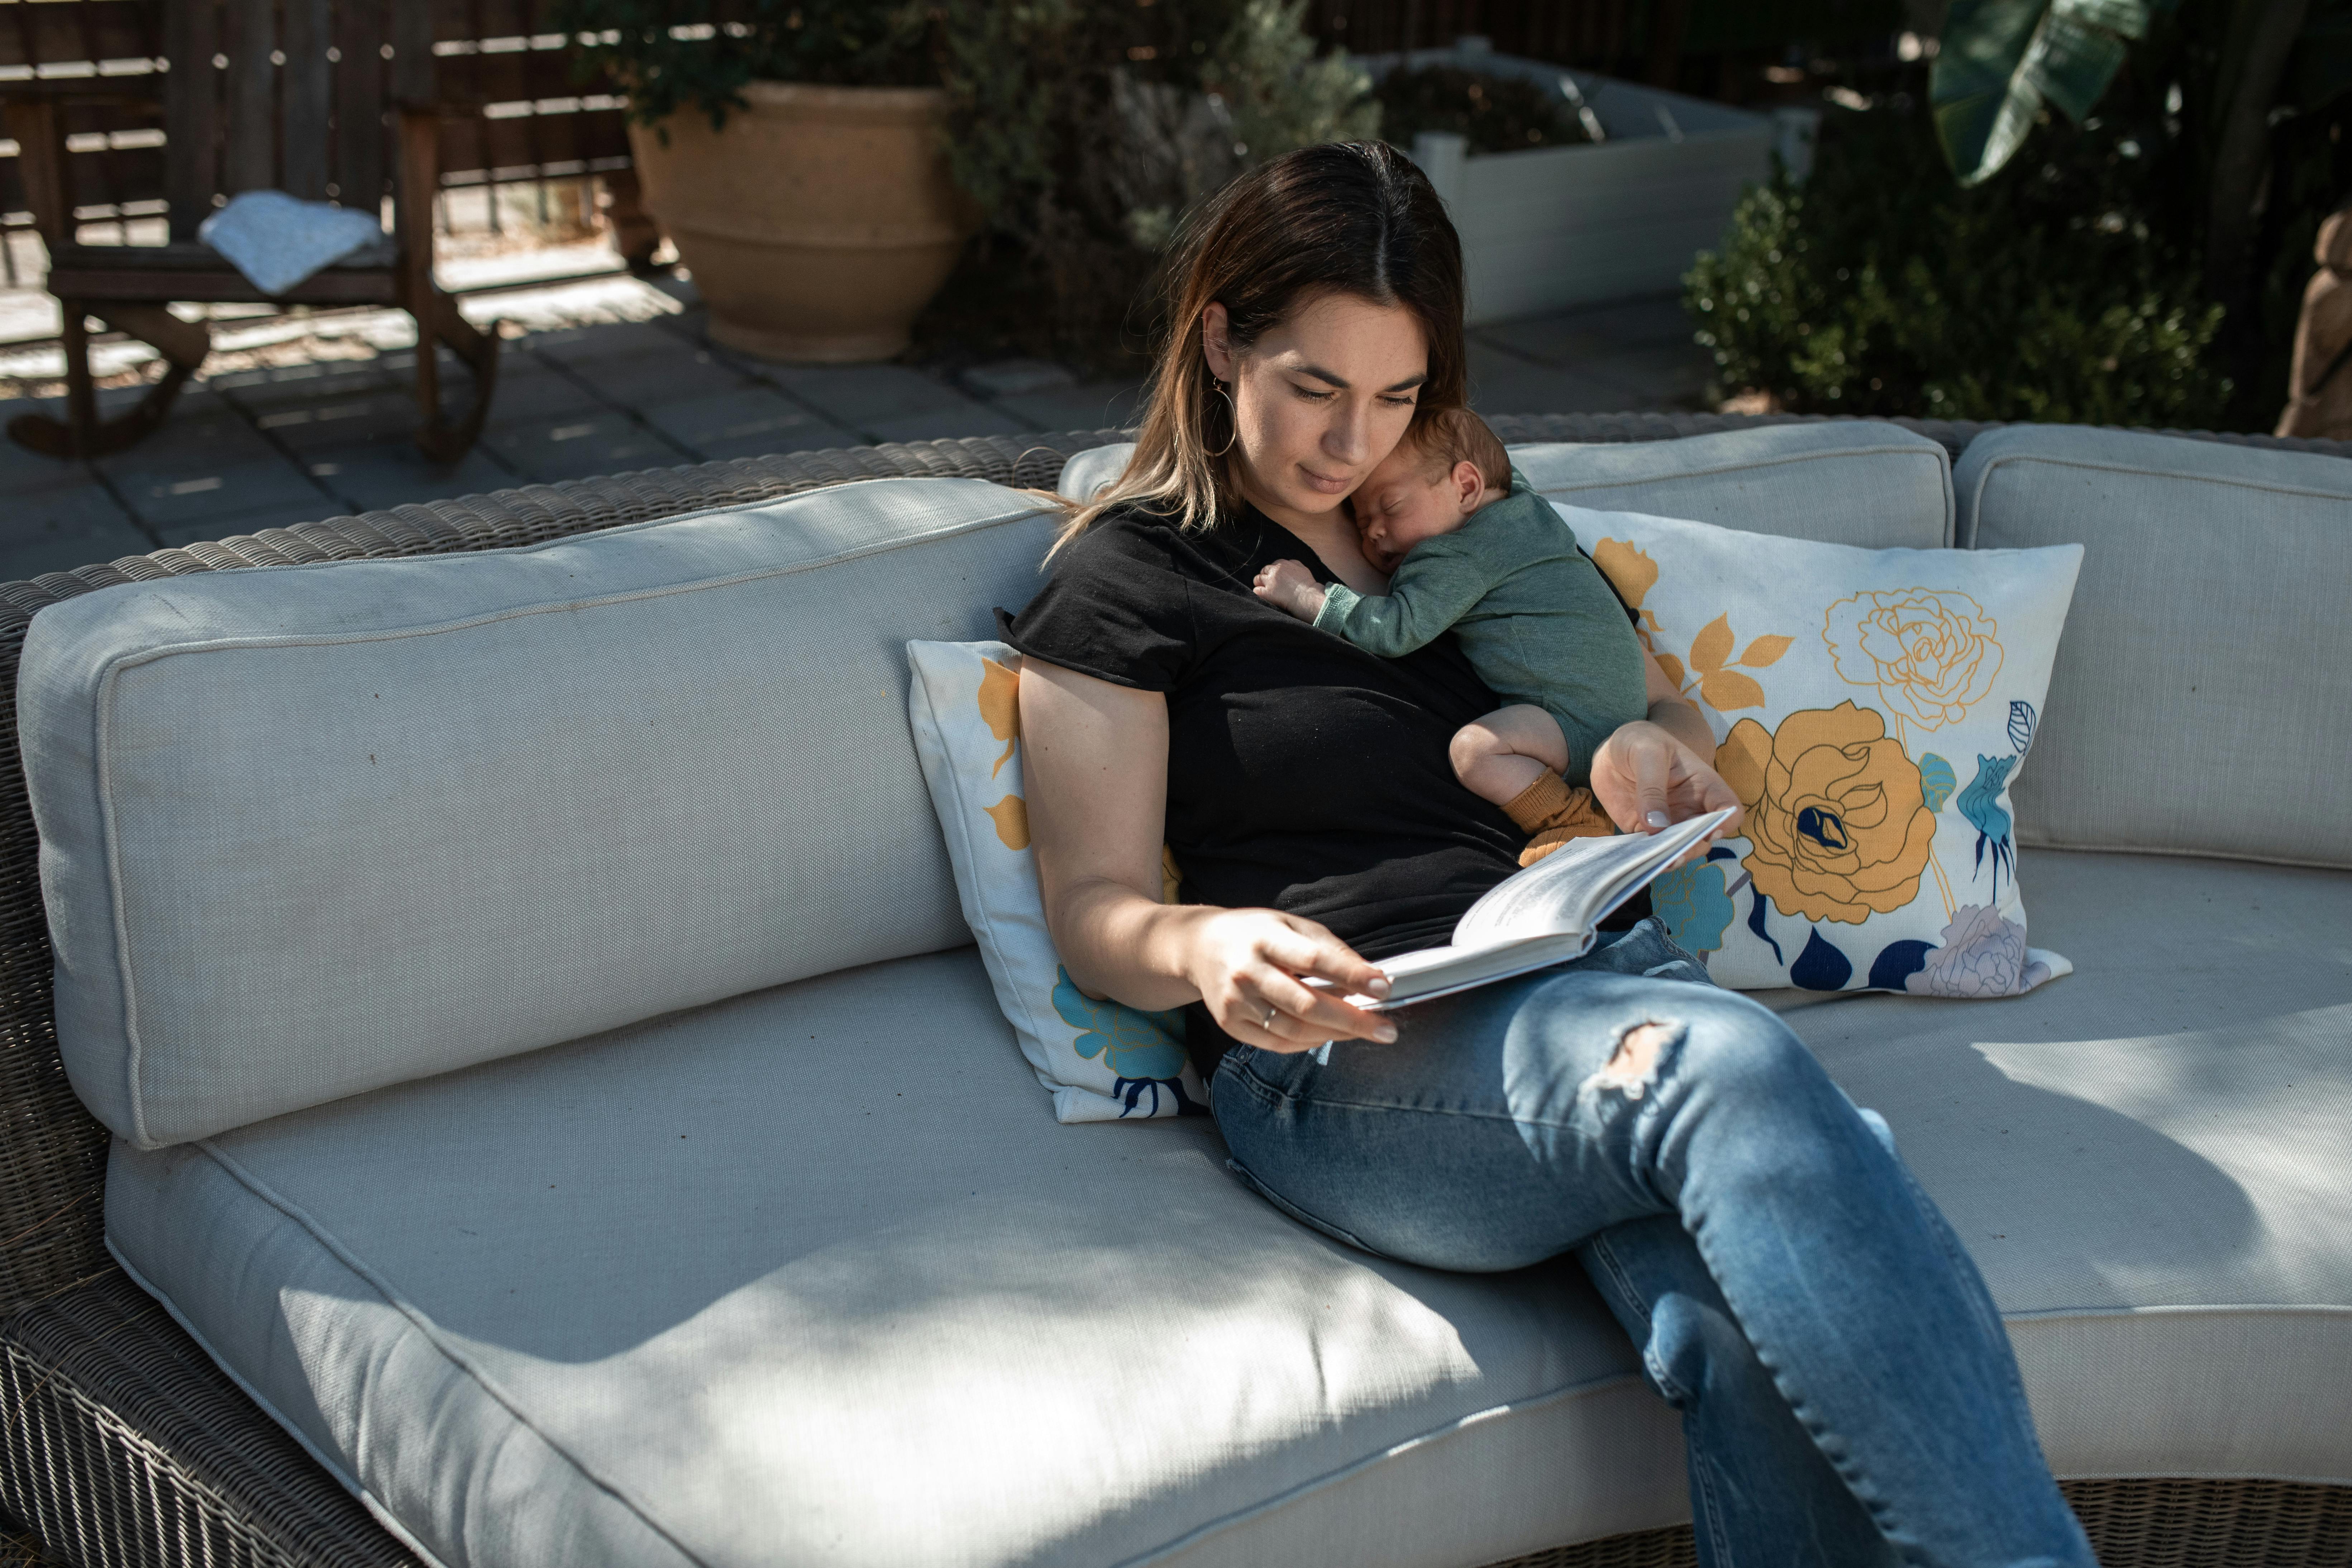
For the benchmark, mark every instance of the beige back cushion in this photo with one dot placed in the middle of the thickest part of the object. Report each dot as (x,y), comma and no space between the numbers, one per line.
(311,831)
(1855,482)
(2198,704)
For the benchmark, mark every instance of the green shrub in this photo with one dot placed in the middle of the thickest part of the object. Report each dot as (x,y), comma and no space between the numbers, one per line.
(1498,114)
(2054,292)
(1088,128)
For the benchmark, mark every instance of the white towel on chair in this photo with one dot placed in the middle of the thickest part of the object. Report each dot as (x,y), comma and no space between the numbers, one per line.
(276,241)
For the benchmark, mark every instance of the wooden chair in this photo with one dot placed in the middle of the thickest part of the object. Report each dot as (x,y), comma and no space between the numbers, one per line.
(321,98)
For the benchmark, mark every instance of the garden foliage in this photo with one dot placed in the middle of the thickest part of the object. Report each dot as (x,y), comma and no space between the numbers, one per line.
(1088,128)
(2078,282)
(2051,291)
(1498,114)
(2004,60)
(697,54)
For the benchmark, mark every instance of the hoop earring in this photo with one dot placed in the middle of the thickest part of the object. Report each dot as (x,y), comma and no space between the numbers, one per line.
(1232,421)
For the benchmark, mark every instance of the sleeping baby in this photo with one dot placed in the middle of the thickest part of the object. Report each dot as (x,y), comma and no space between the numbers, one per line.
(1469,546)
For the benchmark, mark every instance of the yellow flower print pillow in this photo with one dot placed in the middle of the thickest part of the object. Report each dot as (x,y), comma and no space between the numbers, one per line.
(1101,1061)
(1870,708)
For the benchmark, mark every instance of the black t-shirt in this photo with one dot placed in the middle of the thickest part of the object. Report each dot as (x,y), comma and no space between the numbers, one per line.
(1304,774)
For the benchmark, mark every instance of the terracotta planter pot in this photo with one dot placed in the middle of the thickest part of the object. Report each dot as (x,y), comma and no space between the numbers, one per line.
(818,224)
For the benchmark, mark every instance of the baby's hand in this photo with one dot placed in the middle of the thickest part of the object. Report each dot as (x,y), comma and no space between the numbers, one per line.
(1288,585)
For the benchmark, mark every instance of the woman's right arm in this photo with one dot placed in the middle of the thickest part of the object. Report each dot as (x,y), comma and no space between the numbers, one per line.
(1094,762)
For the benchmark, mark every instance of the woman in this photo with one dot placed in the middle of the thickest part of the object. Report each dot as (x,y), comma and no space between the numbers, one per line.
(1847,1387)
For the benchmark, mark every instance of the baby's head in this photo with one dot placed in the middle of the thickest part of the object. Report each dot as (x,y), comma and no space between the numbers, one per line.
(1445,467)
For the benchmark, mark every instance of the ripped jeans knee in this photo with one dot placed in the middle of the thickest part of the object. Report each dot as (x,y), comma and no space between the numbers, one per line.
(1632,1066)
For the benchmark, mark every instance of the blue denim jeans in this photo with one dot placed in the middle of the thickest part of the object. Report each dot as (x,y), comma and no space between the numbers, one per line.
(1846,1389)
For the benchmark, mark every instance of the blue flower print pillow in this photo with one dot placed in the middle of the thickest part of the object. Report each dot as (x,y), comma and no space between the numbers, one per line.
(1871,710)
(1101,1061)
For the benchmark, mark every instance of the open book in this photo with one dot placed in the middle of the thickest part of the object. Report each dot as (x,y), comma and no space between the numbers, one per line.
(1547,914)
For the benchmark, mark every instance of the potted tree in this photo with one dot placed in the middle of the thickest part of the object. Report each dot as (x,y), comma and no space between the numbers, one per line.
(795,153)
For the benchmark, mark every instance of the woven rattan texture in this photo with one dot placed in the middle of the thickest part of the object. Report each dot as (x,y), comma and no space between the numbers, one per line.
(124,1445)
(121,1444)
(1646,1548)
(2135,1523)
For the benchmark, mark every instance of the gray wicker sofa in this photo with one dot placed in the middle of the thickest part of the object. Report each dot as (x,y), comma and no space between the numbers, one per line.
(2123,1121)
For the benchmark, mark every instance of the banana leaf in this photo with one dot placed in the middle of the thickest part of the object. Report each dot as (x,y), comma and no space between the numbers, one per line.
(2001,61)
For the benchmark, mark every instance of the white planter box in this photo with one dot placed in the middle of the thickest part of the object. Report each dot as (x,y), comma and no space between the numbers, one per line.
(1554,226)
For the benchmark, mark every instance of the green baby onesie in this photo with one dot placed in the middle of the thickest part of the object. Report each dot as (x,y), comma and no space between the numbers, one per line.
(1536,617)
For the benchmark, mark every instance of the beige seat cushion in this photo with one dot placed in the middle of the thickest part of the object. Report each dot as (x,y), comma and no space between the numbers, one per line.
(2147,1158)
(811,1276)
(814,1277)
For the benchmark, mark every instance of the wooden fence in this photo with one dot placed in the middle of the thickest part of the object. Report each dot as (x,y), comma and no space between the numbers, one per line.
(525,120)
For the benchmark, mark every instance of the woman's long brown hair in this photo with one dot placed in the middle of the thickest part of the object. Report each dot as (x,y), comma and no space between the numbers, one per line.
(1353,217)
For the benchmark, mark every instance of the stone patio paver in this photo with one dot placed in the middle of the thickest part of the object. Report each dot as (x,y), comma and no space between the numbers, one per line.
(377,414)
(949,424)
(65,523)
(222,496)
(1113,405)
(259,447)
(745,423)
(664,373)
(850,394)
(577,445)
(530,391)
(375,476)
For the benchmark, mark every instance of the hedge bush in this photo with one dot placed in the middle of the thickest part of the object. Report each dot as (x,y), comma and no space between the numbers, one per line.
(2055,291)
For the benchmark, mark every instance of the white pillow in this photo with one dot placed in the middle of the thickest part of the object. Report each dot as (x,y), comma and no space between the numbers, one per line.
(1091,471)
(1101,1061)
(1872,707)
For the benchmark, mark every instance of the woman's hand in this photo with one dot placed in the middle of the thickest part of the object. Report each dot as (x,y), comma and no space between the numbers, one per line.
(1290,586)
(1250,968)
(1647,780)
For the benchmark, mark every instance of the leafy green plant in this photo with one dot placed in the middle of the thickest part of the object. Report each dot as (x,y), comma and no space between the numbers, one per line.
(1277,92)
(1498,114)
(674,55)
(2236,74)
(1088,128)
(2055,292)
(2002,61)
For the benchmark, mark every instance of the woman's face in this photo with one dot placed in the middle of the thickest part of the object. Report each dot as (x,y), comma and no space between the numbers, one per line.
(1318,400)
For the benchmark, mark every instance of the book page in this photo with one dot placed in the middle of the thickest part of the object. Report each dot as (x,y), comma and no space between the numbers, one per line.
(1577,885)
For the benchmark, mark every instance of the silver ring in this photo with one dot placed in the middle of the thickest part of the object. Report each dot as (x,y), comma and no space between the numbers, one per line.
(1267,1023)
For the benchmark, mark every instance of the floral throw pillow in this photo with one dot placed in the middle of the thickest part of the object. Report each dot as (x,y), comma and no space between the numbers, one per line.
(1101,1061)
(1871,710)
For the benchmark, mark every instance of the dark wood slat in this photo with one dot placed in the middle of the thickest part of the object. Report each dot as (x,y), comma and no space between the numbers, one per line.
(183,256)
(249,36)
(191,113)
(505,76)
(42,166)
(360,130)
(139,176)
(306,84)
(412,52)
(335,286)
(509,144)
(46,34)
